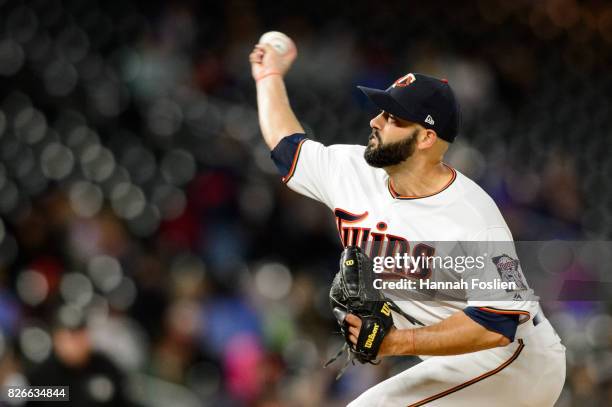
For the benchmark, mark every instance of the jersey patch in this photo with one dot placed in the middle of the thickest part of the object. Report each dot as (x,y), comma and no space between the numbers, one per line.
(509,271)
(286,154)
(504,324)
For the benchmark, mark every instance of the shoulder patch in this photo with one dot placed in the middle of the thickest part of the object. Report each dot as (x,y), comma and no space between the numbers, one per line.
(509,271)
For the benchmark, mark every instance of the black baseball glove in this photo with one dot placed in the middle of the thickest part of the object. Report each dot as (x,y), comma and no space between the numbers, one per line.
(352,292)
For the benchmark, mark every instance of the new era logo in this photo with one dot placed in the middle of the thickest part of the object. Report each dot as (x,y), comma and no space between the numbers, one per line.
(429,120)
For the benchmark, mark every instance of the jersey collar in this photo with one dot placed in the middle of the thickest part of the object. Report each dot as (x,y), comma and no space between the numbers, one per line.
(395,195)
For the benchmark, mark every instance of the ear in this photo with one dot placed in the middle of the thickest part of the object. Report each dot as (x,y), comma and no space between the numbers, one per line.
(426,138)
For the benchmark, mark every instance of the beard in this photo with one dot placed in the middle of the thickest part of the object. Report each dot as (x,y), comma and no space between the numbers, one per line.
(389,154)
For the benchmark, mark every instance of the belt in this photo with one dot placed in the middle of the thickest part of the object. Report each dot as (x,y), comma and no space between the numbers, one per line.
(537,319)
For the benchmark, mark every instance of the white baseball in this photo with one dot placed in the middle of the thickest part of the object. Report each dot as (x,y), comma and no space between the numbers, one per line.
(279,41)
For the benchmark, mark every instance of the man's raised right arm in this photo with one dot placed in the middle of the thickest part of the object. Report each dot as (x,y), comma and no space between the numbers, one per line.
(276,118)
(305,165)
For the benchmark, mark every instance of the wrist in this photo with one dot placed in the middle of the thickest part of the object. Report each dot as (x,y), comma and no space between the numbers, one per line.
(268,75)
(400,342)
(389,344)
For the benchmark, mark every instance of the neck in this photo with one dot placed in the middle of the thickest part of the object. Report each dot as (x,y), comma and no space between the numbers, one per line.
(419,176)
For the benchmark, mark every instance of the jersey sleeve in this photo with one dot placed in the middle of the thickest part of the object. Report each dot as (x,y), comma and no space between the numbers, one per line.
(505,324)
(308,167)
(501,264)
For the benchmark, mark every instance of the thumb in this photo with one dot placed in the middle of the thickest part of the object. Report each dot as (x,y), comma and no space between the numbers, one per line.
(340,314)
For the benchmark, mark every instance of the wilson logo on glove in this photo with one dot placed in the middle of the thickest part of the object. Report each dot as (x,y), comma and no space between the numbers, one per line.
(385,310)
(352,291)
(371,337)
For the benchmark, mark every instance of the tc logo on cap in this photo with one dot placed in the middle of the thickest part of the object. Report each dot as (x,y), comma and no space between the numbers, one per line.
(404,81)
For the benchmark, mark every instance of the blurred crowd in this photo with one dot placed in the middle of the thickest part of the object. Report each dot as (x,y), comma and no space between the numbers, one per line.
(150,255)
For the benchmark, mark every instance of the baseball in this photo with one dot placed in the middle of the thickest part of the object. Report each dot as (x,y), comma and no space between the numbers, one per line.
(279,41)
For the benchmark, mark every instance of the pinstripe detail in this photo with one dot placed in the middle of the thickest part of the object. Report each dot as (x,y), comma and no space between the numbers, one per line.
(505,311)
(475,380)
(296,157)
(508,312)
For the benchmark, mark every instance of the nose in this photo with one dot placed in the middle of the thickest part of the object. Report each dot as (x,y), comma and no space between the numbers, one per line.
(375,123)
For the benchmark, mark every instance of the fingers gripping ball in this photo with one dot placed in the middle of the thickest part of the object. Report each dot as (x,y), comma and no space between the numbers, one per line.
(279,41)
(273,55)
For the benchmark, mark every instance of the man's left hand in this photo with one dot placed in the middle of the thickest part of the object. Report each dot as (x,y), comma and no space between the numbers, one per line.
(354,327)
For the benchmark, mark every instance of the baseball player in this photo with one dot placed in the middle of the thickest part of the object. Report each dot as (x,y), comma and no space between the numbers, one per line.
(397,190)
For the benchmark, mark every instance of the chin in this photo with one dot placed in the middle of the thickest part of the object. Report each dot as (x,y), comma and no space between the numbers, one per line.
(373,144)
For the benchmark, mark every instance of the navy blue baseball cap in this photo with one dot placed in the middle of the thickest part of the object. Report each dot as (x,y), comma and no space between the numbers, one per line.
(420,99)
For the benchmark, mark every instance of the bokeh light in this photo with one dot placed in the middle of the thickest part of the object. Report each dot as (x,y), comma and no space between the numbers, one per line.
(273,280)
(32,287)
(35,344)
(86,198)
(76,289)
(105,272)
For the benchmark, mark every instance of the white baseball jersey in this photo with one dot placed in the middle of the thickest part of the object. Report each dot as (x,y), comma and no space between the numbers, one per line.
(367,210)
(369,213)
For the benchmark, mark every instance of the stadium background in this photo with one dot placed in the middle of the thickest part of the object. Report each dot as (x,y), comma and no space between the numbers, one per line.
(141,212)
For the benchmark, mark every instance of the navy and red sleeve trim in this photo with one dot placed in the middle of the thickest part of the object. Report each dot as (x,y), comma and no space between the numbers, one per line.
(504,323)
(286,154)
